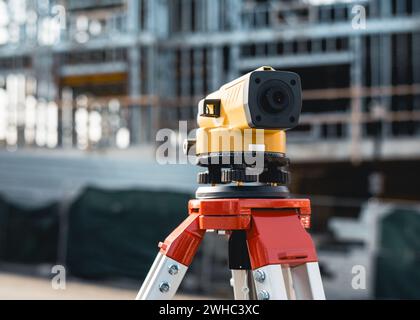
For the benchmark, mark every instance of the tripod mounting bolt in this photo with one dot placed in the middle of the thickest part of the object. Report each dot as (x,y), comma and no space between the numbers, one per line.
(259,276)
(164,287)
(173,269)
(263,295)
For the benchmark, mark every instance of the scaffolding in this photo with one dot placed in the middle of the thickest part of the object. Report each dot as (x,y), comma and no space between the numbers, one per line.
(114,72)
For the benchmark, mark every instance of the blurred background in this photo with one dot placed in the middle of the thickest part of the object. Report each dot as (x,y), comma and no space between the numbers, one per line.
(85,86)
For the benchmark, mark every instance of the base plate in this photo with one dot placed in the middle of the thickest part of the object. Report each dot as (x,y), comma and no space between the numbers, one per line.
(230,191)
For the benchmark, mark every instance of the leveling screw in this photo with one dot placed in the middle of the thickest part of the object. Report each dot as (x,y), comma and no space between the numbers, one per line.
(259,276)
(173,269)
(164,287)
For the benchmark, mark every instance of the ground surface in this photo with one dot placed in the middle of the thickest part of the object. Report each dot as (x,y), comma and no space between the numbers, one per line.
(23,287)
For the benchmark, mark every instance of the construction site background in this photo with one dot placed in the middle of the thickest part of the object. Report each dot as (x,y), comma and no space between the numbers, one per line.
(86,85)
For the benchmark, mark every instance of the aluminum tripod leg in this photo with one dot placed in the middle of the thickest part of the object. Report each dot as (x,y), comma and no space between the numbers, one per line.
(303,282)
(171,264)
(269,283)
(243,286)
(288,281)
(163,279)
(283,257)
(307,282)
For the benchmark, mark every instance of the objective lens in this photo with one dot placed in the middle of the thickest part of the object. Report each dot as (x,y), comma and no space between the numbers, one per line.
(274,96)
(276,99)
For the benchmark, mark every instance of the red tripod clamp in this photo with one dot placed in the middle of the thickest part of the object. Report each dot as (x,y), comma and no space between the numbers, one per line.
(275,229)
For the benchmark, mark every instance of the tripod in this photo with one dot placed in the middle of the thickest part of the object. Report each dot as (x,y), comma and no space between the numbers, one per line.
(271,255)
(241,139)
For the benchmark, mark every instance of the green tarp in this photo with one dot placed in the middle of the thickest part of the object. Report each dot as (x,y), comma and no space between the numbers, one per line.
(28,235)
(115,233)
(398,262)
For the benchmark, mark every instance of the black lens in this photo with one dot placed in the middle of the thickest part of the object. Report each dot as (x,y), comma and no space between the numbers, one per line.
(275,97)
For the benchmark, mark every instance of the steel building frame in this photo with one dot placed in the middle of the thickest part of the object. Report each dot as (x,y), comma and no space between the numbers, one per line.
(176,51)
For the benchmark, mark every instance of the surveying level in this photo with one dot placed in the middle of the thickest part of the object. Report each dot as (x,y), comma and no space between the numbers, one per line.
(271,255)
